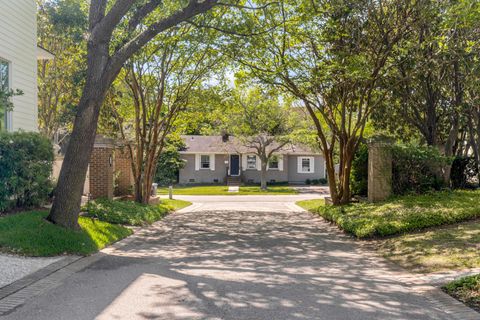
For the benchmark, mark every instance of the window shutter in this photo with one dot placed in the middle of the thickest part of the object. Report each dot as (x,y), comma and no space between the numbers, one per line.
(244,162)
(258,162)
(299,164)
(312,164)
(280,162)
(212,162)
(197,162)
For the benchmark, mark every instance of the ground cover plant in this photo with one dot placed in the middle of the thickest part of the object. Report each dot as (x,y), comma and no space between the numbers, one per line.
(400,214)
(466,289)
(129,212)
(444,248)
(223,190)
(30,234)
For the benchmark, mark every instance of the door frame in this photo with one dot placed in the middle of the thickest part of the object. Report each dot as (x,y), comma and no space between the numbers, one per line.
(230,164)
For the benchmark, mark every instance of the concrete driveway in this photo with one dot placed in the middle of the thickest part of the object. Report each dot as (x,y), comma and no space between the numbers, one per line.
(236,258)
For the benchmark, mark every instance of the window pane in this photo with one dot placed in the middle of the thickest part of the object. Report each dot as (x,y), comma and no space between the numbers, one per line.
(251,162)
(306,165)
(205,161)
(4,86)
(273,163)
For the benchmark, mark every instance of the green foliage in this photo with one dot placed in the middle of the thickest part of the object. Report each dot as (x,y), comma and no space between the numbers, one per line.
(170,162)
(464,173)
(466,289)
(61,30)
(125,212)
(26,161)
(401,214)
(359,174)
(30,234)
(417,168)
(6,103)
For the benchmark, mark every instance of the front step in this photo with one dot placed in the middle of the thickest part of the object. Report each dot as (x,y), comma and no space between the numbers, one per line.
(233,181)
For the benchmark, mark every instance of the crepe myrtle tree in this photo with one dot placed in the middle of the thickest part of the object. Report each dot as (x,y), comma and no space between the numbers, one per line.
(116,31)
(261,123)
(331,56)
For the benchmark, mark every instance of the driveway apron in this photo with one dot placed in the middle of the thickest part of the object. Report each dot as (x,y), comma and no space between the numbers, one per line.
(236,258)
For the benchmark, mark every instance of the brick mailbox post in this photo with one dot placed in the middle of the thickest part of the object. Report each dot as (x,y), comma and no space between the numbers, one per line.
(379,169)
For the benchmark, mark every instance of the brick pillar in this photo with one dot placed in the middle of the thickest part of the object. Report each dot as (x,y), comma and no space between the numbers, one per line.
(379,170)
(101,168)
(123,168)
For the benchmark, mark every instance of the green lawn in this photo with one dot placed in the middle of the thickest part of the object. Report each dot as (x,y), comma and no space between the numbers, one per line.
(30,234)
(175,204)
(131,213)
(443,248)
(400,214)
(467,290)
(223,190)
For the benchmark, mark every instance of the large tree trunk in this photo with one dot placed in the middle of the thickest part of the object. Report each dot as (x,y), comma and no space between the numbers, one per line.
(263,176)
(68,193)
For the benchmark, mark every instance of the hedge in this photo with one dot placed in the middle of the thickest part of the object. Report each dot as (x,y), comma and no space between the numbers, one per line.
(26,160)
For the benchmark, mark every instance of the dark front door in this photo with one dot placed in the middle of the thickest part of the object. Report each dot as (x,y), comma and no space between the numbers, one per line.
(234,164)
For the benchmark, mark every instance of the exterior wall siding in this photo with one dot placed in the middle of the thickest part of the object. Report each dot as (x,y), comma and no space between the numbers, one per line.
(252,175)
(18,39)
(289,173)
(188,172)
(295,177)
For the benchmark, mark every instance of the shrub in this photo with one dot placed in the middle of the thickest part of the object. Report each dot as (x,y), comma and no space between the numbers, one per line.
(322,181)
(26,161)
(359,173)
(308,181)
(464,173)
(125,212)
(417,169)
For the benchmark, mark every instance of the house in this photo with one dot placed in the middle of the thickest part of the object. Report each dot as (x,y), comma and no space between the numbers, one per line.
(218,159)
(18,62)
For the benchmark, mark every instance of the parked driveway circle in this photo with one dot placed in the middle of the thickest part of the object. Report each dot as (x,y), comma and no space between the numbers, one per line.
(228,260)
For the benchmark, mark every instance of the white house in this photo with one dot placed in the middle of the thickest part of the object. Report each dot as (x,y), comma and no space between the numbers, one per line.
(18,62)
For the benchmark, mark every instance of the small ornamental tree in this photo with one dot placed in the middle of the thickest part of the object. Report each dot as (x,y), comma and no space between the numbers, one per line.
(261,123)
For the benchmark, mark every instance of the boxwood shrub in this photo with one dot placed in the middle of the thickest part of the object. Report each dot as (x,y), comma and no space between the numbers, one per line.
(26,160)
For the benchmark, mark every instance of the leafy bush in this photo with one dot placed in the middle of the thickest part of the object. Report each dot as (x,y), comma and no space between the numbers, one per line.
(26,161)
(400,214)
(464,173)
(322,181)
(125,212)
(308,182)
(359,173)
(417,169)
(170,162)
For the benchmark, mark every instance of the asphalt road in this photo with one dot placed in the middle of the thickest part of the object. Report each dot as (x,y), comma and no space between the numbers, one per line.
(234,259)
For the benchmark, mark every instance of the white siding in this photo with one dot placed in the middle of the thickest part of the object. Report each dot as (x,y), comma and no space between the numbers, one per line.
(18,46)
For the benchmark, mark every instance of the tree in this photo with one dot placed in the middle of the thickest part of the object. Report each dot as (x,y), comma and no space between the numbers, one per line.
(60,26)
(261,123)
(331,56)
(152,92)
(113,36)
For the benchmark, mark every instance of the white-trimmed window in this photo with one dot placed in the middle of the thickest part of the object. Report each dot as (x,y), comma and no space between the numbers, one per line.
(204,161)
(305,165)
(273,163)
(4,86)
(251,162)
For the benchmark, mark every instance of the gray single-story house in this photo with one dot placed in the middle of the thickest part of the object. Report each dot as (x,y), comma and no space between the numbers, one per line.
(220,159)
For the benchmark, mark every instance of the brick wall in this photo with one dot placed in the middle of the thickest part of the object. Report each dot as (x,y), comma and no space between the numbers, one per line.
(101,172)
(123,172)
